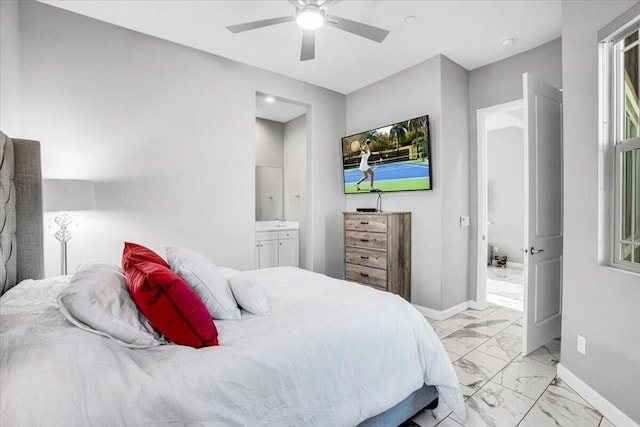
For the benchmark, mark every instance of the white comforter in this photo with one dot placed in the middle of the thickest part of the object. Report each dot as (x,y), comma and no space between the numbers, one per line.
(331,353)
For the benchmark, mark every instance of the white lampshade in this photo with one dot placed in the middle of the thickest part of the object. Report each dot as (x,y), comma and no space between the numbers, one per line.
(61,195)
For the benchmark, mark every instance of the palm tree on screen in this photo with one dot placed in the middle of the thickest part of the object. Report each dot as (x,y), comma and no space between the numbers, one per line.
(398,132)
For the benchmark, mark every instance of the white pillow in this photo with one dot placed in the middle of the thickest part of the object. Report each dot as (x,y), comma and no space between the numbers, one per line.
(249,294)
(97,300)
(206,280)
(227,271)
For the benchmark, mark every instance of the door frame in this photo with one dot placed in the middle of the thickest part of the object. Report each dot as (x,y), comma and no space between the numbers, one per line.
(482,216)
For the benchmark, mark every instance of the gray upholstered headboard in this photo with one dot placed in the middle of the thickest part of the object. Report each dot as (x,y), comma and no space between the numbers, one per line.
(20,212)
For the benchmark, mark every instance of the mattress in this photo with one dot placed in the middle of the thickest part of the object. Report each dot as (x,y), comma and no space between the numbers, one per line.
(332,353)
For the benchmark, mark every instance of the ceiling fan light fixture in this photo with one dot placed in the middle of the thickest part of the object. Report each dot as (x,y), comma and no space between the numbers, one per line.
(310,17)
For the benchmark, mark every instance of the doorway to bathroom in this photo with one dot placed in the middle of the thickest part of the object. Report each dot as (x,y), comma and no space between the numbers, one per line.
(541,242)
(281,177)
(503,189)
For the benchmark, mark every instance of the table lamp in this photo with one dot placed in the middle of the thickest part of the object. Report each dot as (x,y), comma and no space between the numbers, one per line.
(64,195)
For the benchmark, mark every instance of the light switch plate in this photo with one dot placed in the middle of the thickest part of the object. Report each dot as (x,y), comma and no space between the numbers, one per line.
(464,221)
(582,345)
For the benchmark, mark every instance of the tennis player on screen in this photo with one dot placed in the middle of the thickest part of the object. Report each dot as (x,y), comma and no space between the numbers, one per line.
(364,166)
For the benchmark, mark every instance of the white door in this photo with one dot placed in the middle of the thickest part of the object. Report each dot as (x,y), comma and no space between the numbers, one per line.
(543,213)
(288,253)
(267,253)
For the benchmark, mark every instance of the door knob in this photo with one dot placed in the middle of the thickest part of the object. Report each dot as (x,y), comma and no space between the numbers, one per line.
(535,251)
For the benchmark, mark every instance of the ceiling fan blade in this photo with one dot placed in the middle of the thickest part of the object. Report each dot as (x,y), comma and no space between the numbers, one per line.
(358,28)
(327,3)
(298,4)
(308,50)
(238,28)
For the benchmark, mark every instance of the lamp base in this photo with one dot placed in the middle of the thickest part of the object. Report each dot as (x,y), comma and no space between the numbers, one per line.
(63,235)
(63,258)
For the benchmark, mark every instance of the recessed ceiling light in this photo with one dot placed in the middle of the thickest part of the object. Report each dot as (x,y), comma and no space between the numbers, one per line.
(410,19)
(310,17)
(508,41)
(270,99)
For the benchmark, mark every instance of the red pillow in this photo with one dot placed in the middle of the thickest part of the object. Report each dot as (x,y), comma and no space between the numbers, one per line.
(171,306)
(134,250)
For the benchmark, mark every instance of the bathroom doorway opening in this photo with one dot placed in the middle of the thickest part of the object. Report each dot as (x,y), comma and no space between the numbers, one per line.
(501,201)
(282,140)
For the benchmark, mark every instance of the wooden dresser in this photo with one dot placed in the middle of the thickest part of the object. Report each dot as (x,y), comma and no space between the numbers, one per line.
(377,250)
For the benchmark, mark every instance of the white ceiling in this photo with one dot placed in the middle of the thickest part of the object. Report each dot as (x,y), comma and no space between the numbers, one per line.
(469,32)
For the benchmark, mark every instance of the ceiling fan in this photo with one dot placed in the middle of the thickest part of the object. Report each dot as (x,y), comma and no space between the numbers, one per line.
(310,15)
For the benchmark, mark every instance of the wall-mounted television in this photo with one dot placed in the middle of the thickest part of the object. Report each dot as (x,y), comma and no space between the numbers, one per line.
(397,155)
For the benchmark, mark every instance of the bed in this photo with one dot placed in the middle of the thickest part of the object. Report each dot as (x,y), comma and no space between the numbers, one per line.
(329,353)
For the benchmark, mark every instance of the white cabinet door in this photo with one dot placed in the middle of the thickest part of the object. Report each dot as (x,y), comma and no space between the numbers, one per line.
(267,253)
(288,253)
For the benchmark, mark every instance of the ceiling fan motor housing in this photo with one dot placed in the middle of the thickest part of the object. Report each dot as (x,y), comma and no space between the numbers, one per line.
(310,17)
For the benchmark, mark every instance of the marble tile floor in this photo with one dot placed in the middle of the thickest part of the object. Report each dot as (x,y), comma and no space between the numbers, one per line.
(502,387)
(505,287)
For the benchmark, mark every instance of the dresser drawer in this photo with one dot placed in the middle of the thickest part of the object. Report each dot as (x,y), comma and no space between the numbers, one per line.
(365,240)
(371,223)
(266,235)
(288,234)
(366,257)
(366,275)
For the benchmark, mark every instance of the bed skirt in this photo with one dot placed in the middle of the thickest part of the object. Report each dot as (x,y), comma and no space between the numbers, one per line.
(425,397)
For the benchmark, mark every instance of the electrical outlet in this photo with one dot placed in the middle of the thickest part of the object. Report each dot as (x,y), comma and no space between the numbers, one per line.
(464,221)
(582,345)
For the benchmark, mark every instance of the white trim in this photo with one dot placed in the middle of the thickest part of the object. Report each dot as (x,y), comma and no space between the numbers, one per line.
(606,408)
(443,314)
(611,114)
(481,250)
(475,305)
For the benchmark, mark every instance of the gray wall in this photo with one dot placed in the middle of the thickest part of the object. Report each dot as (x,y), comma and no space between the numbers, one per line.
(168,133)
(600,303)
(269,187)
(505,179)
(438,245)
(10,61)
(454,183)
(494,84)
(269,143)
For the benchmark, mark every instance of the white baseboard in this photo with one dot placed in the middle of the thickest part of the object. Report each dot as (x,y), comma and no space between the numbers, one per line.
(475,305)
(606,408)
(442,314)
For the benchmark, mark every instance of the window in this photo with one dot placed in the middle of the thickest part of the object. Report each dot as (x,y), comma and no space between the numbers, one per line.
(622,67)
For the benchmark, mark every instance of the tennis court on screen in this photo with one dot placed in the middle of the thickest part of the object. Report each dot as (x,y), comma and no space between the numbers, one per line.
(399,170)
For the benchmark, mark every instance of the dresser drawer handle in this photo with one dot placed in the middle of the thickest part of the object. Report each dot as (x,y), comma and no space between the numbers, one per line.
(364,257)
(364,240)
(364,222)
(364,274)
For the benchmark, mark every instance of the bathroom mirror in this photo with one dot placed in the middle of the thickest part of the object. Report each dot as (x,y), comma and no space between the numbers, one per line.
(269,193)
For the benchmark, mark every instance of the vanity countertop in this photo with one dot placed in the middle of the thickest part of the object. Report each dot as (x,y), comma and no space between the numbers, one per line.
(273,225)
